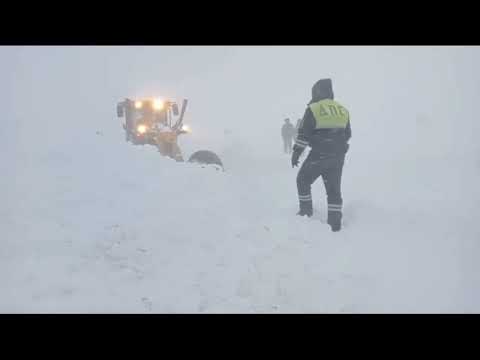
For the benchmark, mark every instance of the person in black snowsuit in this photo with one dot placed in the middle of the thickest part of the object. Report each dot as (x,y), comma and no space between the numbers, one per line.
(298,124)
(288,133)
(325,127)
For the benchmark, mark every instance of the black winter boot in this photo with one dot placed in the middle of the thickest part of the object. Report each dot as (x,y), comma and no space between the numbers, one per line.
(306,208)
(335,220)
(309,213)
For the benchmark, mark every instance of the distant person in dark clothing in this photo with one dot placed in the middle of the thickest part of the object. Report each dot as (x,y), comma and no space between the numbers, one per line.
(288,133)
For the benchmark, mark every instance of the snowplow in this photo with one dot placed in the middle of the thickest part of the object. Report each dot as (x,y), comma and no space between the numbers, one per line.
(159,123)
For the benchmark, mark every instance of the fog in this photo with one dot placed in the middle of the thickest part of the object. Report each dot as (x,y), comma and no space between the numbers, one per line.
(414,151)
(390,89)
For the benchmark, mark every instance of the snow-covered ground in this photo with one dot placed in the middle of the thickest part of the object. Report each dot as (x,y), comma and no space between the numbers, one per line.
(92,224)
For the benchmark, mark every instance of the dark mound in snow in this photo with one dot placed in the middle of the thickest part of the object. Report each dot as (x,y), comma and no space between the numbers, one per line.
(205,157)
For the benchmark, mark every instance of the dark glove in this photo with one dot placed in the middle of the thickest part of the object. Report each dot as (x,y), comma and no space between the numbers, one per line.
(295,156)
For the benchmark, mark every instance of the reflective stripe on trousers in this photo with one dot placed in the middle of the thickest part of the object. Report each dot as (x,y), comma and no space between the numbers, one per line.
(335,207)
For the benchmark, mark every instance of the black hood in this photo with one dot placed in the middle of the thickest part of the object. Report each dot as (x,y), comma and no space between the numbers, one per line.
(322,90)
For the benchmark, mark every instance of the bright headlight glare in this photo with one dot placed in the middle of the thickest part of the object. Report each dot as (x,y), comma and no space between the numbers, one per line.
(138,104)
(158,104)
(186,128)
(142,129)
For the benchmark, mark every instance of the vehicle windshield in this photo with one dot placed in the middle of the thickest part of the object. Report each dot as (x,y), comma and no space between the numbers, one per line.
(148,115)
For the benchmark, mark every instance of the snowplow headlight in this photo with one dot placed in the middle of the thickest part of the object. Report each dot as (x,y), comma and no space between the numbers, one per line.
(138,104)
(142,129)
(158,104)
(186,128)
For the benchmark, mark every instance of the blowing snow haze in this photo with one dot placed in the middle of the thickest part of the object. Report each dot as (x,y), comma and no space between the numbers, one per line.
(91,223)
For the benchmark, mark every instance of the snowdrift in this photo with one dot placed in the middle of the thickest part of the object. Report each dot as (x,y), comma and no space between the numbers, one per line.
(92,224)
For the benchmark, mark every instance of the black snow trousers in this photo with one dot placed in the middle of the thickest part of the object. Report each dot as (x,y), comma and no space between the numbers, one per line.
(330,168)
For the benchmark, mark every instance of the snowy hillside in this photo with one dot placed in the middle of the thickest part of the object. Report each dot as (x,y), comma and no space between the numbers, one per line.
(93,224)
